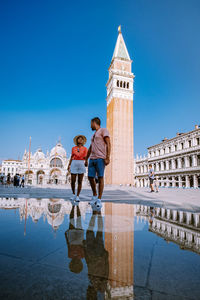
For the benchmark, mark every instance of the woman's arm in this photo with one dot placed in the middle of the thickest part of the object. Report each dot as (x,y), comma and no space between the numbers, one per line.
(69,165)
(87,156)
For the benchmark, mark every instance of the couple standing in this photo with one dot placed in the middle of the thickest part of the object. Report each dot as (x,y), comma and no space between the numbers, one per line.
(99,154)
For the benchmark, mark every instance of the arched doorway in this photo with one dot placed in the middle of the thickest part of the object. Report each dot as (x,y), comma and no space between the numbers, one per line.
(40,177)
(29,176)
(191,180)
(55,176)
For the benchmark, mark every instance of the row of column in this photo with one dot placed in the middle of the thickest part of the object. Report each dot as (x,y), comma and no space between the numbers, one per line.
(166,166)
(144,182)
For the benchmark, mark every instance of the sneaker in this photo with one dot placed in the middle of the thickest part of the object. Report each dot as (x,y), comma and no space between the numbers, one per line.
(77,199)
(93,200)
(73,197)
(98,203)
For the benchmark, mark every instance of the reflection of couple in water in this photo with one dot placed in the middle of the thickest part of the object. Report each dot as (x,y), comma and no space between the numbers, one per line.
(92,249)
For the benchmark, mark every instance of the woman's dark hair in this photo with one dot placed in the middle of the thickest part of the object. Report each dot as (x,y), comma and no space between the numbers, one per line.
(96,120)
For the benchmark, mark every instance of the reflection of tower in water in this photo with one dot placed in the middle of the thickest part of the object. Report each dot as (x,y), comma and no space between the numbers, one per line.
(119,238)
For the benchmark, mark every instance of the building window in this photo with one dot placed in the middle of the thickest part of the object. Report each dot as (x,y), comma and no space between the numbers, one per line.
(183,162)
(198,160)
(197,141)
(124,84)
(56,162)
(190,161)
(182,146)
(169,149)
(176,163)
(8,169)
(118,83)
(127,85)
(190,143)
(175,147)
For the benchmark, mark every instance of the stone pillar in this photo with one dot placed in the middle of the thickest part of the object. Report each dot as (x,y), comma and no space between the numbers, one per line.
(188,218)
(174,215)
(167,182)
(179,181)
(157,167)
(187,181)
(162,181)
(173,181)
(173,164)
(194,160)
(196,220)
(179,163)
(167,165)
(195,180)
(180,216)
(162,166)
(186,161)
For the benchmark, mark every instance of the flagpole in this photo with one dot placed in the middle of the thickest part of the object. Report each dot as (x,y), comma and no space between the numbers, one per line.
(29,158)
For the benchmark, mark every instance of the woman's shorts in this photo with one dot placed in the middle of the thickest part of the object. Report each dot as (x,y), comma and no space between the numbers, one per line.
(78,167)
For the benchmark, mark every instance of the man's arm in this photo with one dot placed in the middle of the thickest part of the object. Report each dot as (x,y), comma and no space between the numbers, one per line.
(88,155)
(108,149)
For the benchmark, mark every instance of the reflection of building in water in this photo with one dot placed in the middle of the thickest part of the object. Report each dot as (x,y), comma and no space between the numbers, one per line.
(119,235)
(182,228)
(53,210)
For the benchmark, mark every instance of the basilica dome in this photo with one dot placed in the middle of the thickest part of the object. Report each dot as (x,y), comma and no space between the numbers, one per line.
(39,155)
(58,150)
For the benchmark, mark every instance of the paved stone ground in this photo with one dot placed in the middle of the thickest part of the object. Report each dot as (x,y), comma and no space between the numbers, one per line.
(184,199)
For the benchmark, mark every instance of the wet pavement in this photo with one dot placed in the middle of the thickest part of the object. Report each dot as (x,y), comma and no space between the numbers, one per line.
(51,249)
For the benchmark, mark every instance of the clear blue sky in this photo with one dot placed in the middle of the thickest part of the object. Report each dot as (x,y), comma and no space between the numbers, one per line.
(54,57)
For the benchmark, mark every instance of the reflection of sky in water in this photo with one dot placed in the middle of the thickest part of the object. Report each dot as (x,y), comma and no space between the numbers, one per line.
(140,248)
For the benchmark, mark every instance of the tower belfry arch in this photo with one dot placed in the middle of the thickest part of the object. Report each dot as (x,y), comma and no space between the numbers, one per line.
(120,115)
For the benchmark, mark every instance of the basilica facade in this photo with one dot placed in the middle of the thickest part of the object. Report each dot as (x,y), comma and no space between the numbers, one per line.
(40,168)
(176,161)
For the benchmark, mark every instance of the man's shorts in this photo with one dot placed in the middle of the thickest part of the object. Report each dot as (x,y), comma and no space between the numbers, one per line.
(96,167)
(151,180)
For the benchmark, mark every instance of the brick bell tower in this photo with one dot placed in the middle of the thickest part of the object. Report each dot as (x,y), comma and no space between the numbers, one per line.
(120,115)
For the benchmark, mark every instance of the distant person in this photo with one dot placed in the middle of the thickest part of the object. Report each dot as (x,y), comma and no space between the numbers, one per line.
(5,180)
(75,238)
(96,257)
(151,177)
(18,180)
(99,154)
(22,181)
(8,179)
(76,165)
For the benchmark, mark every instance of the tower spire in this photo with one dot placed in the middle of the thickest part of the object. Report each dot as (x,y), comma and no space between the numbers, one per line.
(120,47)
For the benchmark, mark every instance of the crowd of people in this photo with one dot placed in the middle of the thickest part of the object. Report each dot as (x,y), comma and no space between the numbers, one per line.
(17,180)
